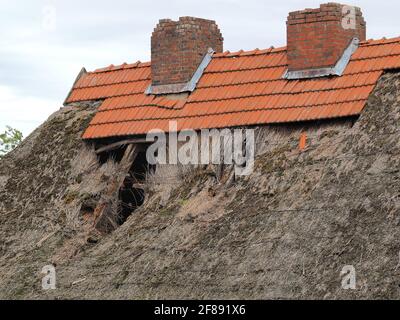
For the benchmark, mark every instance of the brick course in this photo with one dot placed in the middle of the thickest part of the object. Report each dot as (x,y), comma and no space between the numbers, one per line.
(178,47)
(316,37)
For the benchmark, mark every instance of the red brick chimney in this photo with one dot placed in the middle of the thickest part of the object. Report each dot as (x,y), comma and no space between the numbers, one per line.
(318,38)
(177,50)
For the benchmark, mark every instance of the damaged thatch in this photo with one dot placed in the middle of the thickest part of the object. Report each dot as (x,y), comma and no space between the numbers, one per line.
(285,231)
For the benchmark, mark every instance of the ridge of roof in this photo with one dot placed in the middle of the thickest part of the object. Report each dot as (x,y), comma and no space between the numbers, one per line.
(111,67)
(240,53)
(375,42)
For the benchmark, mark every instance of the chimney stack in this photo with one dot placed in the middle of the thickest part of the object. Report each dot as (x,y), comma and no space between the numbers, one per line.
(178,50)
(321,41)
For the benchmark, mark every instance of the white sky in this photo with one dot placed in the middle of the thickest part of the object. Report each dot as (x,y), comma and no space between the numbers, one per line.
(45,43)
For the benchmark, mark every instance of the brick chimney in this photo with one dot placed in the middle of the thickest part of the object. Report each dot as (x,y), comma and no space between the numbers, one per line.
(178,49)
(317,39)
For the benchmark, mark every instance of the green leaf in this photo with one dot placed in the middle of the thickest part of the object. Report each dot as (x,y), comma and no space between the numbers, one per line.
(9,140)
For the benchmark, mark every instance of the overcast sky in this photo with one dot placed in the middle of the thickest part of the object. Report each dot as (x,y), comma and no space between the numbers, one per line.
(45,43)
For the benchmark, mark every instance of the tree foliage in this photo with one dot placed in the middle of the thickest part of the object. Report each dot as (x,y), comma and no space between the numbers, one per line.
(9,140)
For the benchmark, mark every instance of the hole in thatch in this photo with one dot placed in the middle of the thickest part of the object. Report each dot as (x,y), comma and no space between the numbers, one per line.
(125,191)
(130,199)
(131,194)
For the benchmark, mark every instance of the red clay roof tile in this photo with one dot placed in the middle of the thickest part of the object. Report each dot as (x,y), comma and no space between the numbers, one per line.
(240,88)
